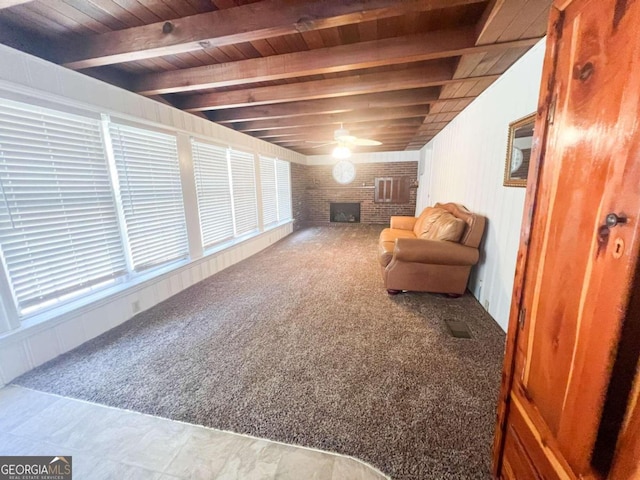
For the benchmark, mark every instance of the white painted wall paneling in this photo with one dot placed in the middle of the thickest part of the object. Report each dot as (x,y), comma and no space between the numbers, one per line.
(28,75)
(32,79)
(24,350)
(465,164)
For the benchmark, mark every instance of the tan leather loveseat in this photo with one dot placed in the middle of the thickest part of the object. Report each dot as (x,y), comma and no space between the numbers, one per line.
(433,252)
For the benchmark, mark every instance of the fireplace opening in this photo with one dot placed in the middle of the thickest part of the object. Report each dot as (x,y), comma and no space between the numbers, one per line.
(344,212)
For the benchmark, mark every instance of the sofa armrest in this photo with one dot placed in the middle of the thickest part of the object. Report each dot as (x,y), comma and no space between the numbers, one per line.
(403,223)
(435,252)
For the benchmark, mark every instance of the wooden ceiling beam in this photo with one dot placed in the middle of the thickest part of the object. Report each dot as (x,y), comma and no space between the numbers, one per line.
(369,115)
(327,150)
(318,138)
(302,136)
(327,135)
(392,99)
(245,23)
(312,140)
(493,15)
(497,16)
(376,53)
(498,23)
(439,72)
(390,143)
(408,123)
(441,113)
(488,17)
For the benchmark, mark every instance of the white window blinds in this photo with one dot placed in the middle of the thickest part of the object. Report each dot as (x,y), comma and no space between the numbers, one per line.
(284,190)
(59,232)
(151,194)
(214,195)
(243,184)
(269,191)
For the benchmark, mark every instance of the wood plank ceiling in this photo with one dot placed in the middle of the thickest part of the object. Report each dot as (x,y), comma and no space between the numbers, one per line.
(290,72)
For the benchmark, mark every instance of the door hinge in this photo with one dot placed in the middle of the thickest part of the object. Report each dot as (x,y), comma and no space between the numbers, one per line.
(521,317)
(551,114)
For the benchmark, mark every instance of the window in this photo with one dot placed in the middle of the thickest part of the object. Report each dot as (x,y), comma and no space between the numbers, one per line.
(276,190)
(151,195)
(214,195)
(243,185)
(59,229)
(269,190)
(284,190)
(86,203)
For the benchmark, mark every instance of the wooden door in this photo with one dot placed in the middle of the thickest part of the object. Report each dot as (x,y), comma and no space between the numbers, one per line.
(572,344)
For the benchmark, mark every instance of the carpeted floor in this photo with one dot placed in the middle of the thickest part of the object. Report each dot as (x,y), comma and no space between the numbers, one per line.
(301,344)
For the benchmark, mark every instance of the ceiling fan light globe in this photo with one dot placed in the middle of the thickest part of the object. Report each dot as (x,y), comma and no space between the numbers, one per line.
(341,152)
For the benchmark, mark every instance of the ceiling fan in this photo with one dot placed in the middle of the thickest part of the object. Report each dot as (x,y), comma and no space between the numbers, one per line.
(345,142)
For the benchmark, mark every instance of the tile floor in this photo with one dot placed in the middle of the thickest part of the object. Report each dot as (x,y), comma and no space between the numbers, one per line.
(109,443)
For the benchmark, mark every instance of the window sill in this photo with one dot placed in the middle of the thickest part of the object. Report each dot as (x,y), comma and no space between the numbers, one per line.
(271,226)
(238,240)
(56,315)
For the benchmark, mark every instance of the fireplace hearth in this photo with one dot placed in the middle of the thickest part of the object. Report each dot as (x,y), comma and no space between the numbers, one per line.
(344,212)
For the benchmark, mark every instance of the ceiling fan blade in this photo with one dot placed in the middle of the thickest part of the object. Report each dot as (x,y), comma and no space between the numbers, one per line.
(324,144)
(365,142)
(344,137)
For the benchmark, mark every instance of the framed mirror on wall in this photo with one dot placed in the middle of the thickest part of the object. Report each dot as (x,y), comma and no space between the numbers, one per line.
(519,151)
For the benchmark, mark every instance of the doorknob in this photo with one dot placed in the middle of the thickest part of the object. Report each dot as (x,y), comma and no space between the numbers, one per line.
(612,220)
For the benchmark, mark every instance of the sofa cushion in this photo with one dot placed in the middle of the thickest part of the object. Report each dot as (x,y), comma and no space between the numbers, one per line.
(390,234)
(443,225)
(418,228)
(426,219)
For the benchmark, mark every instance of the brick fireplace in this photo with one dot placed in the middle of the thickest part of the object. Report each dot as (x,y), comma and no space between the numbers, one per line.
(344,212)
(314,190)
